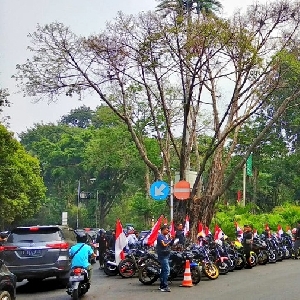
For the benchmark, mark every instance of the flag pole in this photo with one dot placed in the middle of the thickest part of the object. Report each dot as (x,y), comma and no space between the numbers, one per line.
(244,185)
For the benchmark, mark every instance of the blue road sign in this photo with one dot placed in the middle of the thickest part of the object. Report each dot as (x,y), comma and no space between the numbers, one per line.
(159,190)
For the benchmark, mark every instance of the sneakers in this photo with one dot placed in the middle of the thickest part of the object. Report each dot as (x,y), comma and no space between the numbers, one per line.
(166,289)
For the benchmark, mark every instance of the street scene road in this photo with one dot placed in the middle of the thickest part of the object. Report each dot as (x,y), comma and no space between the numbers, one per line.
(278,281)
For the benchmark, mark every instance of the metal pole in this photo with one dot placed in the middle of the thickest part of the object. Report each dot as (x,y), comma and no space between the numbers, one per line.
(244,186)
(97,208)
(78,200)
(171,201)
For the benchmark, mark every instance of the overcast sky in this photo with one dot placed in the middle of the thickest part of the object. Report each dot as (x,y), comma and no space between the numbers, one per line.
(84,17)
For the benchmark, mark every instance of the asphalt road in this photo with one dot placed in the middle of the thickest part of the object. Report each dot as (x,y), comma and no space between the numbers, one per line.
(278,281)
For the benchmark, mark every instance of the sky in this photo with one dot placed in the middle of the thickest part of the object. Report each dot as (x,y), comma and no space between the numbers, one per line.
(18,18)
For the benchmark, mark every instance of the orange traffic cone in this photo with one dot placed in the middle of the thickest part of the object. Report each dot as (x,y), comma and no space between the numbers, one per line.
(187,279)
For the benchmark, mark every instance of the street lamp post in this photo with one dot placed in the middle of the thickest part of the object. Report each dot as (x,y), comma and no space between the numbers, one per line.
(78,200)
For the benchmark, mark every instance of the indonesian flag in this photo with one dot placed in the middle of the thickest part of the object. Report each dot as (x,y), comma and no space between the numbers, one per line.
(120,243)
(152,236)
(201,229)
(165,221)
(239,231)
(279,230)
(267,228)
(207,231)
(186,225)
(172,228)
(218,233)
(255,234)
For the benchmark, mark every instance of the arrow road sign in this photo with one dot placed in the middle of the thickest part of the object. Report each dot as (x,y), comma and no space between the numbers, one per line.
(159,190)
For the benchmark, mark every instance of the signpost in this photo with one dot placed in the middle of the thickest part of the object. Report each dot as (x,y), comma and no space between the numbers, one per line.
(159,190)
(182,190)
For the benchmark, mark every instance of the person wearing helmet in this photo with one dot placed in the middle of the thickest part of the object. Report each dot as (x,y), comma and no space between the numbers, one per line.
(102,247)
(247,244)
(297,240)
(81,252)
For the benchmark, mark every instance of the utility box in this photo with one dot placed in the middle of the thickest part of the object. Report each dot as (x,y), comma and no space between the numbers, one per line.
(190,177)
(64,218)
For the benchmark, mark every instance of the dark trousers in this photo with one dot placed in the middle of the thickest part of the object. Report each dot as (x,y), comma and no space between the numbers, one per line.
(101,256)
(296,247)
(247,251)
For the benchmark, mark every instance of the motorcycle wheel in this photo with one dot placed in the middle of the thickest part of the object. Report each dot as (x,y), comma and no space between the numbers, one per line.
(127,268)
(146,277)
(211,271)
(110,270)
(272,257)
(223,268)
(75,294)
(240,262)
(262,258)
(253,259)
(195,274)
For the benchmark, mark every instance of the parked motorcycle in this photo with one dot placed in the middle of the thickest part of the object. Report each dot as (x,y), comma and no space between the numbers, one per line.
(110,267)
(150,269)
(78,283)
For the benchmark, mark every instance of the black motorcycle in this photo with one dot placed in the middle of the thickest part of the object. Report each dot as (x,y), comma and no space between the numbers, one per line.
(110,267)
(149,270)
(78,282)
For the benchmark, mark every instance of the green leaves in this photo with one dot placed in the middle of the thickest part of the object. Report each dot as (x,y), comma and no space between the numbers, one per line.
(22,190)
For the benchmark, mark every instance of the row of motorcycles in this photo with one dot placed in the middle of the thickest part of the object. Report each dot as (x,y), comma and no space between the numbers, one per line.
(209,258)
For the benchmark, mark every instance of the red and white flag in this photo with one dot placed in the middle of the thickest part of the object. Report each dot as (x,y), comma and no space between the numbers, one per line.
(186,229)
(255,234)
(172,228)
(152,236)
(207,231)
(218,233)
(201,229)
(120,243)
(279,230)
(238,229)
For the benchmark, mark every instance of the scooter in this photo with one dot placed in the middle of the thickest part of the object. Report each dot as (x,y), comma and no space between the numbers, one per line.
(78,283)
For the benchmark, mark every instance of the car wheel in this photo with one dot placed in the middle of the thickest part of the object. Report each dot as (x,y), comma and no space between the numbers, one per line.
(4,295)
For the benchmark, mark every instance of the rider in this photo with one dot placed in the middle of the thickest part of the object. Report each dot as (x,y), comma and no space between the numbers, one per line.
(80,254)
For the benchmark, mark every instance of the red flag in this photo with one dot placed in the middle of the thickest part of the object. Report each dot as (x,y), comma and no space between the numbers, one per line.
(279,230)
(239,231)
(172,228)
(201,229)
(120,243)
(267,227)
(150,239)
(165,221)
(186,225)
(255,234)
(207,231)
(218,233)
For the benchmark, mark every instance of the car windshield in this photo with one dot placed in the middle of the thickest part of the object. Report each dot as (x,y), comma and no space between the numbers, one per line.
(25,235)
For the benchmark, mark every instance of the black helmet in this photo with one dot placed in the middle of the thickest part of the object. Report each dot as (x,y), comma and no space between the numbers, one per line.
(81,237)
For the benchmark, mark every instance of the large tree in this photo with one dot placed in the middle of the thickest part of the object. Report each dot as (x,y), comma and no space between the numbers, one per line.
(167,74)
(22,191)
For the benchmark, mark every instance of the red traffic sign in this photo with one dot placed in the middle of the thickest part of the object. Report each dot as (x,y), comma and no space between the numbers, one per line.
(182,190)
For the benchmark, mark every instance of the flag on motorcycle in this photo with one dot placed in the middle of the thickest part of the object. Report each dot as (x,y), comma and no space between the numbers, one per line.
(201,229)
(120,243)
(186,229)
(172,228)
(218,233)
(152,236)
(279,230)
(207,231)
(255,234)
(267,228)
(239,232)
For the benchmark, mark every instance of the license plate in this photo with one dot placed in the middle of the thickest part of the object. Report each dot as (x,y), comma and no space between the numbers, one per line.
(31,253)
(77,278)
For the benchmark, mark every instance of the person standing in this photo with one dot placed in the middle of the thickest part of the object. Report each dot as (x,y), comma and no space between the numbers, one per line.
(180,234)
(247,244)
(112,241)
(297,240)
(102,246)
(163,247)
